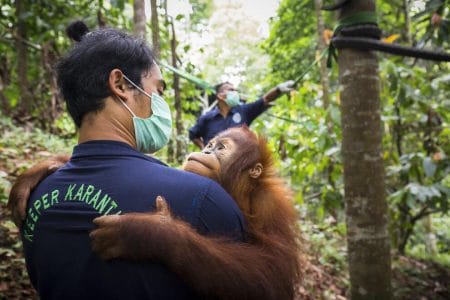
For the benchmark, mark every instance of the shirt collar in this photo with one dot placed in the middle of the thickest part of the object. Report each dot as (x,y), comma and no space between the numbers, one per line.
(235,108)
(106,148)
(215,112)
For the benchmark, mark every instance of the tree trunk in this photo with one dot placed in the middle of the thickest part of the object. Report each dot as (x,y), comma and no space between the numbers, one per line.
(323,64)
(430,238)
(322,45)
(100,18)
(408,36)
(139,18)
(155,29)
(157,49)
(25,103)
(178,110)
(366,209)
(53,111)
(404,226)
(5,75)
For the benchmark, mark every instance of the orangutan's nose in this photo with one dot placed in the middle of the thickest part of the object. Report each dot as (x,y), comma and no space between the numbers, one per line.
(206,151)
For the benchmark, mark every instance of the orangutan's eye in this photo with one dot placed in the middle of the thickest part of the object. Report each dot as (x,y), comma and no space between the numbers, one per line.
(220,146)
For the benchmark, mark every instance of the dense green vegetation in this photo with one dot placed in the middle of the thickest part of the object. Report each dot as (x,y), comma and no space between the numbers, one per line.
(304,128)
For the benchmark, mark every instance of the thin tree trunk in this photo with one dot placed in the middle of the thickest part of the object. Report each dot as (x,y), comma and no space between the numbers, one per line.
(25,104)
(404,226)
(430,239)
(178,110)
(366,209)
(323,66)
(100,18)
(407,22)
(155,39)
(139,18)
(404,220)
(52,112)
(155,29)
(5,75)
(322,45)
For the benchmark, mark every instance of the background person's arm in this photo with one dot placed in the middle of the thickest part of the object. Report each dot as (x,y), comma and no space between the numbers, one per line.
(254,109)
(199,142)
(277,91)
(196,133)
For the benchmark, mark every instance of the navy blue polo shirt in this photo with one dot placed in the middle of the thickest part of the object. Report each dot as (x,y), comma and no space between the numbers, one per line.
(107,177)
(211,123)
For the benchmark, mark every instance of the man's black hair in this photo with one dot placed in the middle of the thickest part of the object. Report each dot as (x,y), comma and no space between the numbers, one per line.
(219,86)
(83,73)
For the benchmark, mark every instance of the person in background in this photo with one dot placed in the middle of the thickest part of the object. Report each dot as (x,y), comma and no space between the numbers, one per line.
(230,112)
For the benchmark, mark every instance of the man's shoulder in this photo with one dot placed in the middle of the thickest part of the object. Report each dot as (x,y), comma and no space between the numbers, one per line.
(207,188)
(182,180)
(209,115)
(186,176)
(259,101)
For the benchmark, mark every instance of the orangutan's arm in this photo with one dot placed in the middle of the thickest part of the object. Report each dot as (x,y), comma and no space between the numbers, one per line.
(27,181)
(214,267)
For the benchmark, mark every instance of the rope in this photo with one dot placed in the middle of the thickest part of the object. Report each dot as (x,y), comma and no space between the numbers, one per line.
(316,61)
(199,82)
(360,31)
(366,44)
(284,119)
(363,17)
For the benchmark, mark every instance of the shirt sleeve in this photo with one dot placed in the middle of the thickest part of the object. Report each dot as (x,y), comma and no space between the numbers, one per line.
(198,130)
(219,214)
(254,109)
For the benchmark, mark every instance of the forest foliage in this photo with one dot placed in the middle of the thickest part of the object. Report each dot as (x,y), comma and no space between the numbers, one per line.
(304,132)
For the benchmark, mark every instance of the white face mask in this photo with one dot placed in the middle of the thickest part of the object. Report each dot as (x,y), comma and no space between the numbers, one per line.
(152,133)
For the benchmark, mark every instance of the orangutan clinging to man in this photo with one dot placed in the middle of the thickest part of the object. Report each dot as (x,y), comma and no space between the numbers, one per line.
(267,266)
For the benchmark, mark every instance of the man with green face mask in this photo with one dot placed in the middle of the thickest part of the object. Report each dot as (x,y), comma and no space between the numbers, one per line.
(113,90)
(230,112)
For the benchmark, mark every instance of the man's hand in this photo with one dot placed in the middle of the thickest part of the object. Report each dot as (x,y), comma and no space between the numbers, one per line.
(278,91)
(133,236)
(25,183)
(286,86)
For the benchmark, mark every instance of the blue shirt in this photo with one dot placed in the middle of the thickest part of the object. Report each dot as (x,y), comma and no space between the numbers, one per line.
(107,177)
(212,122)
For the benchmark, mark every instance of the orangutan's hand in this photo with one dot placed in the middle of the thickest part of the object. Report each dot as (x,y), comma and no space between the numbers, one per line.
(132,235)
(27,181)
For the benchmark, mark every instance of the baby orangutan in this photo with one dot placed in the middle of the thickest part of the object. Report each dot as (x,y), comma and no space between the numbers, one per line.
(266,266)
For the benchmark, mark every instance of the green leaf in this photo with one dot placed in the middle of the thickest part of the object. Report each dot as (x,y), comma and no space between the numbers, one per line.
(332,151)
(120,4)
(417,190)
(429,166)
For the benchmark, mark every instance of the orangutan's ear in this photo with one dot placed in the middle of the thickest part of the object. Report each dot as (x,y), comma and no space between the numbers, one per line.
(256,171)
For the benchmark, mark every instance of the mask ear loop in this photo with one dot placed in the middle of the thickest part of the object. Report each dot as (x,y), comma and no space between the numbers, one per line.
(126,106)
(123,102)
(136,86)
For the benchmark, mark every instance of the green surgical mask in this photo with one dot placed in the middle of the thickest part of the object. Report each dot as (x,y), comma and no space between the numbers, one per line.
(152,133)
(232,98)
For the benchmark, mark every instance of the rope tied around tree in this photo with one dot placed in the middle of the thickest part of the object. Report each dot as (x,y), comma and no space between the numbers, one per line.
(360,31)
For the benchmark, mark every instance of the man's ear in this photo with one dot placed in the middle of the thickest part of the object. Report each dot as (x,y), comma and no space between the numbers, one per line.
(256,171)
(118,85)
(220,96)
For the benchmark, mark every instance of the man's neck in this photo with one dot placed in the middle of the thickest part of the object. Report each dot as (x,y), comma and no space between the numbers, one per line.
(112,123)
(223,108)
